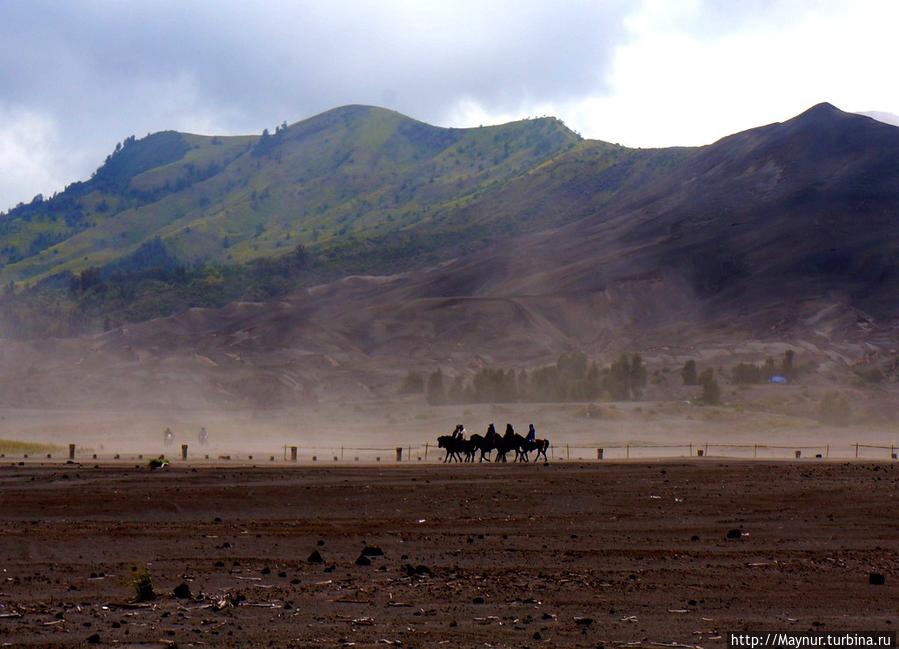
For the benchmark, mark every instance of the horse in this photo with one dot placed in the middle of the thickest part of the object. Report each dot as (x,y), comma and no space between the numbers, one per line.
(510,441)
(452,446)
(539,445)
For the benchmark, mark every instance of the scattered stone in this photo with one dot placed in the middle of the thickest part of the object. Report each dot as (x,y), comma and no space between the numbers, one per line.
(694,538)
(282,575)
(372,551)
(93,639)
(417,571)
(320,543)
(219,564)
(181,591)
(583,621)
(315,557)
(266,571)
(876,579)
(537,636)
(363,560)
(478,600)
(734,534)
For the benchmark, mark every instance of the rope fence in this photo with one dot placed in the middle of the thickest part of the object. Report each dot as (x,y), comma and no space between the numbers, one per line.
(429,452)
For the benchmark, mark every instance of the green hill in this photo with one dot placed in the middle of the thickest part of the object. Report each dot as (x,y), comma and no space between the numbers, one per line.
(332,181)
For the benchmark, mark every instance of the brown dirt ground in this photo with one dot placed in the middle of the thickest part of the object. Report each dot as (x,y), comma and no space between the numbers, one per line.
(516,556)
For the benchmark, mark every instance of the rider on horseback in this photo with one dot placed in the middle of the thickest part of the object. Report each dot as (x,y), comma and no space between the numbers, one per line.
(532,434)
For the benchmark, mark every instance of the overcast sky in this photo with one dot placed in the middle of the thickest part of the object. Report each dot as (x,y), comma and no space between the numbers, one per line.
(77,77)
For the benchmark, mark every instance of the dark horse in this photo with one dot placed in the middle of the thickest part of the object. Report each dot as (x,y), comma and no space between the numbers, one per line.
(484,443)
(456,448)
(510,441)
(451,445)
(539,445)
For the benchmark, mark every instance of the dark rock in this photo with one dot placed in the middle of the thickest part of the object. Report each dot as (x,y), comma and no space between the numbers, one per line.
(266,571)
(694,538)
(583,621)
(282,575)
(372,551)
(181,591)
(734,534)
(315,557)
(876,579)
(320,543)
(478,600)
(417,571)
(363,560)
(93,639)
(537,636)
(219,564)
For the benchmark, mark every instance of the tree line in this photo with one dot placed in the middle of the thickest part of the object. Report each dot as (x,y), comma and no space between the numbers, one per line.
(572,378)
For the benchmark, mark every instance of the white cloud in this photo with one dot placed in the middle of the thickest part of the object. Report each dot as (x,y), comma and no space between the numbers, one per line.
(76,77)
(27,161)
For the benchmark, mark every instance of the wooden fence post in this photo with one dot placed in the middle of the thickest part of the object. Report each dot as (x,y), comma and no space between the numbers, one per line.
(426,451)
(856,450)
(599,453)
(184,451)
(627,450)
(71,451)
(399,453)
(293,453)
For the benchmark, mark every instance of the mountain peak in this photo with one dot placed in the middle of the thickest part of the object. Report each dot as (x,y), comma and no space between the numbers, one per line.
(820,112)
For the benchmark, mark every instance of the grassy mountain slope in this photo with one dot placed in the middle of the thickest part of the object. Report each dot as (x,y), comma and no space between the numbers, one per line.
(343,176)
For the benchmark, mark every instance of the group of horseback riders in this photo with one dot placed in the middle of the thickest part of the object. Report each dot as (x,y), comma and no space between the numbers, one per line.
(168,437)
(462,449)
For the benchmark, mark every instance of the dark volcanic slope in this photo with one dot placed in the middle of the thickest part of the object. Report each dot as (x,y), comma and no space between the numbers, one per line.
(788,232)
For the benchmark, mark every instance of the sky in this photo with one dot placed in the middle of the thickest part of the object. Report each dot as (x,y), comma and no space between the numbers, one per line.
(77,77)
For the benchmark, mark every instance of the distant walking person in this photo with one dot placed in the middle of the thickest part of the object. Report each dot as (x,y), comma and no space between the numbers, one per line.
(203,437)
(168,437)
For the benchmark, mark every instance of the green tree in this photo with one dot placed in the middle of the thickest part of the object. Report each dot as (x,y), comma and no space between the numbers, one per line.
(414,383)
(787,367)
(745,373)
(688,373)
(436,391)
(627,378)
(711,392)
(572,366)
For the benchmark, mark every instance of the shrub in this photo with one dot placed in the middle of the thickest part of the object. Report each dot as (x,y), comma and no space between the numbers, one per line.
(142,584)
